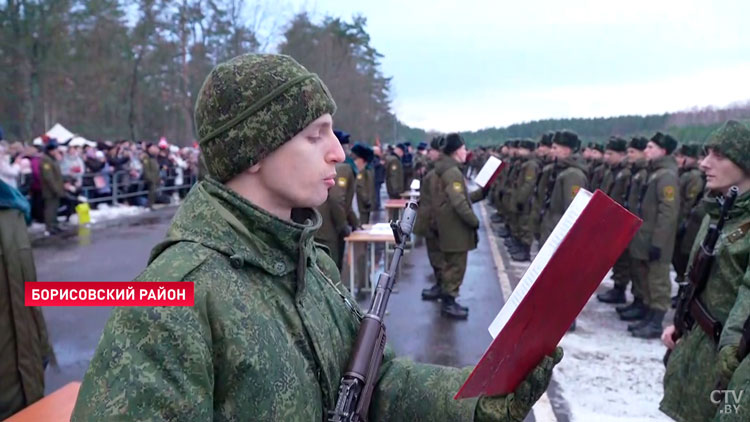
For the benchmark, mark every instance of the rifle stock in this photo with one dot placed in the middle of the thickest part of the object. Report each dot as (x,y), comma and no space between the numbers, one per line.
(358,382)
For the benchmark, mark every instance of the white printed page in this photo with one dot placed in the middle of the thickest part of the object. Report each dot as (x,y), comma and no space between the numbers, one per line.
(541,260)
(488,169)
(381,228)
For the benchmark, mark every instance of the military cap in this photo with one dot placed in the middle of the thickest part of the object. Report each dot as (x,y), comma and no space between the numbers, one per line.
(665,141)
(436,142)
(546,139)
(617,144)
(567,138)
(515,143)
(402,146)
(689,150)
(363,151)
(422,146)
(453,142)
(596,146)
(508,143)
(733,141)
(527,144)
(638,142)
(52,144)
(342,136)
(250,105)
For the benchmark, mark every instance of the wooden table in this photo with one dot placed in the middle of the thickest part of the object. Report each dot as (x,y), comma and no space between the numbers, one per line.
(411,195)
(57,407)
(370,239)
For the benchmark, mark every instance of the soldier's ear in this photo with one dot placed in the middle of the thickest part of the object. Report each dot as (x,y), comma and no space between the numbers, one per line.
(254,168)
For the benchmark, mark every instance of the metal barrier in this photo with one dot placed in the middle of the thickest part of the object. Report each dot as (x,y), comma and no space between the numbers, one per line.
(120,186)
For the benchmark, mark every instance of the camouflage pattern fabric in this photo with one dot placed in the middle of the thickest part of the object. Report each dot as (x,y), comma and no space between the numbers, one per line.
(733,140)
(268,338)
(694,368)
(252,104)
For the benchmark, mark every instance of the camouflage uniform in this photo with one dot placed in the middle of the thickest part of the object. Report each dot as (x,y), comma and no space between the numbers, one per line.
(542,186)
(598,173)
(271,330)
(638,178)
(394,176)
(152,177)
(697,363)
(345,178)
(523,196)
(334,226)
(426,223)
(365,194)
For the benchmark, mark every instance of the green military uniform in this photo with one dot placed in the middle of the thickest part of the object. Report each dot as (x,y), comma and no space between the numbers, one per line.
(697,365)
(597,174)
(426,224)
(456,223)
(365,194)
(638,179)
(394,176)
(571,177)
(152,177)
(335,215)
(544,183)
(345,178)
(691,190)
(651,248)
(24,345)
(617,189)
(523,197)
(52,190)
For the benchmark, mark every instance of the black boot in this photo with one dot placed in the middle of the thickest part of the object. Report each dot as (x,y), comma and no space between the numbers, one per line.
(510,241)
(496,218)
(635,325)
(451,309)
(635,313)
(653,329)
(675,298)
(522,254)
(433,293)
(636,302)
(515,247)
(503,232)
(613,295)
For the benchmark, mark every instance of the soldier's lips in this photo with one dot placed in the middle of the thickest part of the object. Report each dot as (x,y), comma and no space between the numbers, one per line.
(329,181)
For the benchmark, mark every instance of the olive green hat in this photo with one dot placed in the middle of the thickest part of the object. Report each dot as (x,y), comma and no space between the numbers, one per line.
(251,105)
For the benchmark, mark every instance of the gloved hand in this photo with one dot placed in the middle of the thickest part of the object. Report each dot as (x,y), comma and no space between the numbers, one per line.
(519,207)
(654,254)
(346,231)
(516,405)
(727,364)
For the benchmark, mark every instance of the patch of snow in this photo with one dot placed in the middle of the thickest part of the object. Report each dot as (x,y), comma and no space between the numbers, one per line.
(607,374)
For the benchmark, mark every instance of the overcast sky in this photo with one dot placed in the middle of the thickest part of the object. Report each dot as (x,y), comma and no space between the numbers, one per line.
(466,65)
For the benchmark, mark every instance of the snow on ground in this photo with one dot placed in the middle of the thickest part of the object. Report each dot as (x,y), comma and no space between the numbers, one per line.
(607,375)
(103,212)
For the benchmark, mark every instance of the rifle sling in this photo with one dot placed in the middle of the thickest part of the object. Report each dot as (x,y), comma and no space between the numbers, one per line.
(710,325)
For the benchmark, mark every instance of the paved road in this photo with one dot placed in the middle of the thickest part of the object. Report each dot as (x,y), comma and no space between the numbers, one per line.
(415,327)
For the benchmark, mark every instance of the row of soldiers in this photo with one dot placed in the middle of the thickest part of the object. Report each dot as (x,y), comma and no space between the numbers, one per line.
(652,178)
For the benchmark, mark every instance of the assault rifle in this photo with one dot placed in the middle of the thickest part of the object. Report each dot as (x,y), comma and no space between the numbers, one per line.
(358,382)
(690,310)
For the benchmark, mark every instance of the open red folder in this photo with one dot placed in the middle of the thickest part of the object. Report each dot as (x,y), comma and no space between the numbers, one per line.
(584,245)
(489,172)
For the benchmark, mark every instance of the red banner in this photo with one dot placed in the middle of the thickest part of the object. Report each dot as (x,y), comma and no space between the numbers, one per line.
(109,293)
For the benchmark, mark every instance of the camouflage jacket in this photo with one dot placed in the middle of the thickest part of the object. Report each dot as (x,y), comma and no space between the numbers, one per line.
(457,224)
(52,179)
(658,206)
(691,186)
(150,169)
(267,339)
(525,182)
(365,190)
(345,179)
(426,223)
(616,184)
(692,368)
(597,174)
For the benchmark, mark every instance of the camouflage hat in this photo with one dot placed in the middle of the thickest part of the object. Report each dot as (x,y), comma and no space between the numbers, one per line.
(733,141)
(617,144)
(568,139)
(251,105)
(638,142)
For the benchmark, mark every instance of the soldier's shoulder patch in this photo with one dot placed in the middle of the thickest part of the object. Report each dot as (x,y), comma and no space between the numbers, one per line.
(574,190)
(458,186)
(694,190)
(359,176)
(668,193)
(342,181)
(394,167)
(46,166)
(529,173)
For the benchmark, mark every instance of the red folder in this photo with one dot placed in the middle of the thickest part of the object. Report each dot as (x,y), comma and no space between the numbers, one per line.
(589,245)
